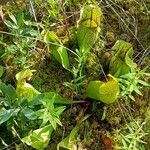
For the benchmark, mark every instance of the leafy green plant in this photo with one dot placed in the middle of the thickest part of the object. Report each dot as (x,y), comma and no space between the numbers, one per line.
(71,141)
(122,66)
(133,83)
(39,138)
(88,27)
(8,102)
(131,136)
(23,36)
(106,92)
(50,114)
(20,106)
(1,71)
(87,34)
(50,95)
(17,110)
(23,88)
(57,49)
(121,62)
(31,117)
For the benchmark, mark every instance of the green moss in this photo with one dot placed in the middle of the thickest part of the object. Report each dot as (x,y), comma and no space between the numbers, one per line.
(50,76)
(93,67)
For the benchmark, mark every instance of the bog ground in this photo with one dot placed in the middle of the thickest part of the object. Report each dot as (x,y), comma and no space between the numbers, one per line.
(75,75)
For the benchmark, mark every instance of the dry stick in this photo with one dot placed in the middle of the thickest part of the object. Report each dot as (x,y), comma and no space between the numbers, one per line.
(122,112)
(129,109)
(123,12)
(1,13)
(33,12)
(146,52)
(128,112)
(103,72)
(14,130)
(6,147)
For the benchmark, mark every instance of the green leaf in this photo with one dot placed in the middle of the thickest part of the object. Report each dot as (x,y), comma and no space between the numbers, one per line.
(59,110)
(121,62)
(9,93)
(10,25)
(88,29)
(63,57)
(53,122)
(137,90)
(106,92)
(23,88)
(39,138)
(6,114)
(86,38)
(51,115)
(22,75)
(1,70)
(11,48)
(57,49)
(130,96)
(13,18)
(37,100)
(143,83)
(20,19)
(69,142)
(29,113)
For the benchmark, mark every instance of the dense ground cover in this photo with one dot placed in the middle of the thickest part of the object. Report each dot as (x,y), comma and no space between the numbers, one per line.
(75,74)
